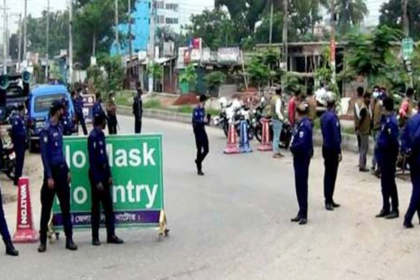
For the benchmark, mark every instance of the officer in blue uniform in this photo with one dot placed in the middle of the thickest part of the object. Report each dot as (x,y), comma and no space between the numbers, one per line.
(19,135)
(101,182)
(138,111)
(302,150)
(56,177)
(331,151)
(97,106)
(66,121)
(387,150)
(201,140)
(410,142)
(78,109)
(4,232)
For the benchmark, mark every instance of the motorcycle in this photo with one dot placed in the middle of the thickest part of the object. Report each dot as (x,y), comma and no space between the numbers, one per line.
(8,159)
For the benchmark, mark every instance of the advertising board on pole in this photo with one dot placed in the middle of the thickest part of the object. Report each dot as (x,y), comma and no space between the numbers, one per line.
(137,191)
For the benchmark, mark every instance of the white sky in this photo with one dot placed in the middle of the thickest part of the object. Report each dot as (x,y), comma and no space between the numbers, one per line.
(35,8)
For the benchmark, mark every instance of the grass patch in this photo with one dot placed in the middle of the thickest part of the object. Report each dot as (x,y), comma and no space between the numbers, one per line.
(153,104)
(347,130)
(185,109)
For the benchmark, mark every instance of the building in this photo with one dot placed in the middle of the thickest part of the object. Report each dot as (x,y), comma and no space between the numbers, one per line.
(176,14)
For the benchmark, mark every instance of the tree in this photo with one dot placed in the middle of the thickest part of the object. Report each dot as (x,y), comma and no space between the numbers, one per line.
(262,32)
(214,80)
(258,72)
(391,15)
(350,12)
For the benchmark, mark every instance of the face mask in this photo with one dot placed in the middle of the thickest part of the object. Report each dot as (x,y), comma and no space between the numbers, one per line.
(375,94)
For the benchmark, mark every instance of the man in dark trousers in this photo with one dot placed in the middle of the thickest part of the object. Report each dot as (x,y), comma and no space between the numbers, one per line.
(138,111)
(56,177)
(101,182)
(19,135)
(410,142)
(331,151)
(199,121)
(111,110)
(78,109)
(66,121)
(4,232)
(302,150)
(388,147)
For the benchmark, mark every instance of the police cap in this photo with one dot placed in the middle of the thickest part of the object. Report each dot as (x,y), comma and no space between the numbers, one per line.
(55,107)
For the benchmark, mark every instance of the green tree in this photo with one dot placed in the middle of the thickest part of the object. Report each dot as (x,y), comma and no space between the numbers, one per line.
(391,16)
(258,72)
(350,13)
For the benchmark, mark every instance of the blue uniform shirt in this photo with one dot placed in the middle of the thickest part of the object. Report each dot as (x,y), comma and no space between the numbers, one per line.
(410,139)
(302,143)
(51,143)
(66,123)
(387,143)
(97,109)
(78,105)
(98,159)
(18,126)
(331,131)
(199,117)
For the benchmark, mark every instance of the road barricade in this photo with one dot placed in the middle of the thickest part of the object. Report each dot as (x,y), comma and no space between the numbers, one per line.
(244,146)
(265,145)
(138,189)
(232,143)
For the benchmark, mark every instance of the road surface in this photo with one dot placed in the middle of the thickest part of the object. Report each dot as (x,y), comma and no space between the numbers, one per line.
(234,223)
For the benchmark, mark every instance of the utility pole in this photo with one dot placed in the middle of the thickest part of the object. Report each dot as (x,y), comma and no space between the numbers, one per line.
(405,17)
(130,41)
(116,22)
(48,43)
(152,43)
(20,44)
(71,41)
(285,37)
(4,38)
(271,22)
(333,44)
(25,30)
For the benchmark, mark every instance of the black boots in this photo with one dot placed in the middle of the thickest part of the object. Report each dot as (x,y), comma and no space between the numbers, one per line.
(114,240)
(70,244)
(10,249)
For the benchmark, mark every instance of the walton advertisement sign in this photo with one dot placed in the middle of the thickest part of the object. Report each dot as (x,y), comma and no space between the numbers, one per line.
(137,170)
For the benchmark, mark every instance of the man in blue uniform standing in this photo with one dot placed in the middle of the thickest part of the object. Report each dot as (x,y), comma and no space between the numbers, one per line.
(97,106)
(331,151)
(410,142)
(78,109)
(387,154)
(138,111)
(302,150)
(201,140)
(101,182)
(66,121)
(56,177)
(19,135)
(4,232)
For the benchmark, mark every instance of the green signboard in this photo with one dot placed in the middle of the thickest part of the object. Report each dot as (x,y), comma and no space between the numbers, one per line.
(407,48)
(137,171)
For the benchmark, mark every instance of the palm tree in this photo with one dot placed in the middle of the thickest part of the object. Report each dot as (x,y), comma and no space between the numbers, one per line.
(350,12)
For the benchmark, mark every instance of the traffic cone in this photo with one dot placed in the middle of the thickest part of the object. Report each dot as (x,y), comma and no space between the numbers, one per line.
(232,144)
(25,232)
(244,143)
(265,145)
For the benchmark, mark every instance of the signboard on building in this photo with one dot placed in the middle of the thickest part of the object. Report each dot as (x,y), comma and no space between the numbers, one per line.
(228,55)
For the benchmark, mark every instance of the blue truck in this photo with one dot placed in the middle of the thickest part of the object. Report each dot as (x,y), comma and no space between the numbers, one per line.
(39,103)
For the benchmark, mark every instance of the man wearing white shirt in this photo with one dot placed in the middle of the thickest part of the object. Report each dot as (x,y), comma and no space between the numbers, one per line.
(278,119)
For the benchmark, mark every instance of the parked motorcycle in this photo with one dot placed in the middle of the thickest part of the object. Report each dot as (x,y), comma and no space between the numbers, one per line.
(8,159)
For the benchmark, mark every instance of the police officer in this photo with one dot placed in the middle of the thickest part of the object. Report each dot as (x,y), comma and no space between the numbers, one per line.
(101,182)
(302,150)
(138,111)
(199,121)
(66,121)
(97,106)
(56,177)
(387,154)
(331,151)
(78,109)
(410,142)
(4,232)
(19,135)
(111,109)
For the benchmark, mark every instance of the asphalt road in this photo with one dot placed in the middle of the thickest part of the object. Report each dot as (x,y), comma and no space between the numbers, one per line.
(234,223)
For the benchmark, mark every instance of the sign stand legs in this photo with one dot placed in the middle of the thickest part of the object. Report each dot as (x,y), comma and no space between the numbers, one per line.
(163,230)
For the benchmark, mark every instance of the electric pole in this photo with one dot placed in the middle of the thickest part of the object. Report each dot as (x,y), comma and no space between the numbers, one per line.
(333,44)
(405,17)
(20,44)
(4,38)
(25,30)
(130,46)
(116,22)
(152,43)
(285,37)
(48,43)
(71,41)
(271,22)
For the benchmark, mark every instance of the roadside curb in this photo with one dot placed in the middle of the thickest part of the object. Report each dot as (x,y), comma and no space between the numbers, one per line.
(349,141)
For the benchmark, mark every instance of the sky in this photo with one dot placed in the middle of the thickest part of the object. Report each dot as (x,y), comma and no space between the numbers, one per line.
(374,7)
